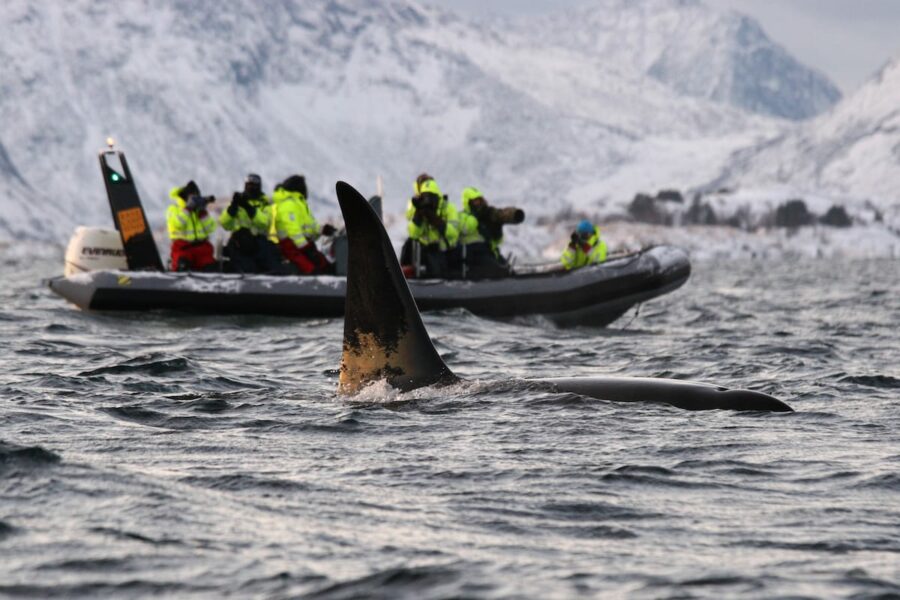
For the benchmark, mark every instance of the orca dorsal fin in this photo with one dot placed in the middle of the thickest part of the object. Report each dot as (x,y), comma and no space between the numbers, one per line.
(384,337)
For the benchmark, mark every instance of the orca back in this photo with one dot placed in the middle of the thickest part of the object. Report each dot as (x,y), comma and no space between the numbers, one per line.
(686,395)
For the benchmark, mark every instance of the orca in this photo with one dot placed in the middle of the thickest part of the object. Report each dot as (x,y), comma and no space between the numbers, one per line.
(385,339)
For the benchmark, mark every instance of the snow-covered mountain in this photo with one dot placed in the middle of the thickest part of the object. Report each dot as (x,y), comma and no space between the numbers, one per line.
(851,151)
(16,218)
(715,54)
(352,89)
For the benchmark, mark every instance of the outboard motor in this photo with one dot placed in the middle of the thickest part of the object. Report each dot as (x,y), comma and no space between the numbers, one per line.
(94,248)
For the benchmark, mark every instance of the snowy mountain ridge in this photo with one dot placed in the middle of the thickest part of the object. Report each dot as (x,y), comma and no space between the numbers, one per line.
(696,50)
(852,150)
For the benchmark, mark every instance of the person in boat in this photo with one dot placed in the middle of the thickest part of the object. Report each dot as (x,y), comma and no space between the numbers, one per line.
(481,234)
(433,223)
(249,219)
(297,230)
(585,248)
(190,225)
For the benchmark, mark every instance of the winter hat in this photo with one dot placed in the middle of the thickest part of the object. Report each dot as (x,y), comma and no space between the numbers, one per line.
(417,186)
(430,186)
(585,228)
(253,183)
(295,183)
(189,189)
(469,194)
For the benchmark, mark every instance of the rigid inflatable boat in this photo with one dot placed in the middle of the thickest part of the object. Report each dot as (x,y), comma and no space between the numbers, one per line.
(595,295)
(121,270)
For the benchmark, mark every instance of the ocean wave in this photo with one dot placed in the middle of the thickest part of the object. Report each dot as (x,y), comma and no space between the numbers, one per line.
(393,583)
(597,532)
(151,364)
(848,546)
(13,456)
(153,418)
(726,467)
(7,530)
(875,381)
(131,588)
(598,511)
(885,481)
(656,477)
(87,564)
(240,482)
(131,536)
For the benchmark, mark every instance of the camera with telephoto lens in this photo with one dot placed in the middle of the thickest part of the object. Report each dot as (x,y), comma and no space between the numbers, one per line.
(197,203)
(579,239)
(506,216)
(426,201)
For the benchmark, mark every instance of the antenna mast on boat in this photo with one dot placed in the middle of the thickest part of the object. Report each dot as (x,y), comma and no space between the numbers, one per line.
(128,214)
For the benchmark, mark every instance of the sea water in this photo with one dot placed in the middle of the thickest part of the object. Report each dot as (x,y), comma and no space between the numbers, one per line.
(187,456)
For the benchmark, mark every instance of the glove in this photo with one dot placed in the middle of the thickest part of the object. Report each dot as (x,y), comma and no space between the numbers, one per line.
(244,202)
(423,214)
(434,220)
(328,229)
(575,241)
(235,204)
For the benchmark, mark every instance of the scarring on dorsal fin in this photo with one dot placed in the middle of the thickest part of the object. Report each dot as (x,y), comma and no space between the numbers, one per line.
(384,337)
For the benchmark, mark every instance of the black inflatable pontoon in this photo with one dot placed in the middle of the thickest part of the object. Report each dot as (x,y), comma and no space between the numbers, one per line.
(596,295)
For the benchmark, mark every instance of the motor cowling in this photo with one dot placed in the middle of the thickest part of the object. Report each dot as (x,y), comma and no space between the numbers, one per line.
(93,249)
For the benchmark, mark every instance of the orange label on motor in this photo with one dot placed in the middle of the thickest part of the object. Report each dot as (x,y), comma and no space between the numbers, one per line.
(131,223)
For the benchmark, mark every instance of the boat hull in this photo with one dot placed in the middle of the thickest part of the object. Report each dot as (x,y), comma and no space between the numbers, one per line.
(596,295)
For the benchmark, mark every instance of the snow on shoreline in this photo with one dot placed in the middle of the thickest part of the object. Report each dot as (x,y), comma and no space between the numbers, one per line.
(545,243)
(706,243)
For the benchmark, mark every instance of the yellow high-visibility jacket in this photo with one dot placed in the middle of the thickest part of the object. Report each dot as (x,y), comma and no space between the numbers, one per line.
(188,225)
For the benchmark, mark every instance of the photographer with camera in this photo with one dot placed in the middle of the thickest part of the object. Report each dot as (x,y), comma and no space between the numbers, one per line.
(481,233)
(585,247)
(190,225)
(249,219)
(433,223)
(297,229)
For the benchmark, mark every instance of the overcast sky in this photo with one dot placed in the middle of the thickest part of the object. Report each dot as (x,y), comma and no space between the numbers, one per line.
(849,40)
